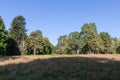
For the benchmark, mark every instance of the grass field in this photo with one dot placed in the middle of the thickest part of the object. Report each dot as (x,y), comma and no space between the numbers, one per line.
(60,67)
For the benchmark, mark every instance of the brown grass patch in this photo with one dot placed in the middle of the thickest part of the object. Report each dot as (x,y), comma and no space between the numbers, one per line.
(60,67)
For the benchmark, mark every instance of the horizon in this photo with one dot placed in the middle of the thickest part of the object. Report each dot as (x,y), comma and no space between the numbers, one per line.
(56,18)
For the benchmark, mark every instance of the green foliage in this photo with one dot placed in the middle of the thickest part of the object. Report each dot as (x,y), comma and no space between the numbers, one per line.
(115,45)
(18,31)
(3,38)
(74,42)
(47,46)
(118,50)
(12,47)
(35,42)
(62,44)
(106,42)
(86,41)
(38,44)
(91,37)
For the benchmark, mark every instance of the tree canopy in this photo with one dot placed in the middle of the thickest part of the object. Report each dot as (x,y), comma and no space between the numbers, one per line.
(18,31)
(3,37)
(16,41)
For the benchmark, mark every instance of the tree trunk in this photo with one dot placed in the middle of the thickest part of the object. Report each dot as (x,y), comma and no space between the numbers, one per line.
(75,51)
(23,47)
(23,44)
(78,51)
(89,51)
(34,51)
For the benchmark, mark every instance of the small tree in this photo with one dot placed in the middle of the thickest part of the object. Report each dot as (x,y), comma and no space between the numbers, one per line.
(62,43)
(74,42)
(48,47)
(106,42)
(35,41)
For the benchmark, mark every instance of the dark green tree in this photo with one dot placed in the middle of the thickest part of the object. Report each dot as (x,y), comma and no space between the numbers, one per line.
(18,31)
(118,50)
(106,42)
(47,46)
(3,37)
(12,47)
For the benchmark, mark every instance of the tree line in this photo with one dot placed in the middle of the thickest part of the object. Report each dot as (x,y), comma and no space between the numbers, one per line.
(88,41)
(15,41)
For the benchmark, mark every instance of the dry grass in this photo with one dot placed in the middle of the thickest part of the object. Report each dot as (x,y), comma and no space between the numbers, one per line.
(60,67)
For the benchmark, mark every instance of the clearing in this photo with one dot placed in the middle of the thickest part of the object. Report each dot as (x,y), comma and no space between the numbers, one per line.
(60,67)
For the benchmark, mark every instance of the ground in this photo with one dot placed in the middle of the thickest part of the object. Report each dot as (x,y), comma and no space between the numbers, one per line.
(60,67)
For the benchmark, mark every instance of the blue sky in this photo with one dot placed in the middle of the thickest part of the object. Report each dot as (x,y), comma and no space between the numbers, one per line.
(59,17)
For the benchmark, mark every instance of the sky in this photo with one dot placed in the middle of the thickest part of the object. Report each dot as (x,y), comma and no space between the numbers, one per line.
(60,17)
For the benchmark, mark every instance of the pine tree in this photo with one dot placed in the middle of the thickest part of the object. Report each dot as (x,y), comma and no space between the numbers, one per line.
(106,42)
(3,37)
(91,37)
(18,31)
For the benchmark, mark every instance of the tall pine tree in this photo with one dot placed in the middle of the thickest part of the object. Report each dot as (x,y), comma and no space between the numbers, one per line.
(91,37)
(3,37)
(18,31)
